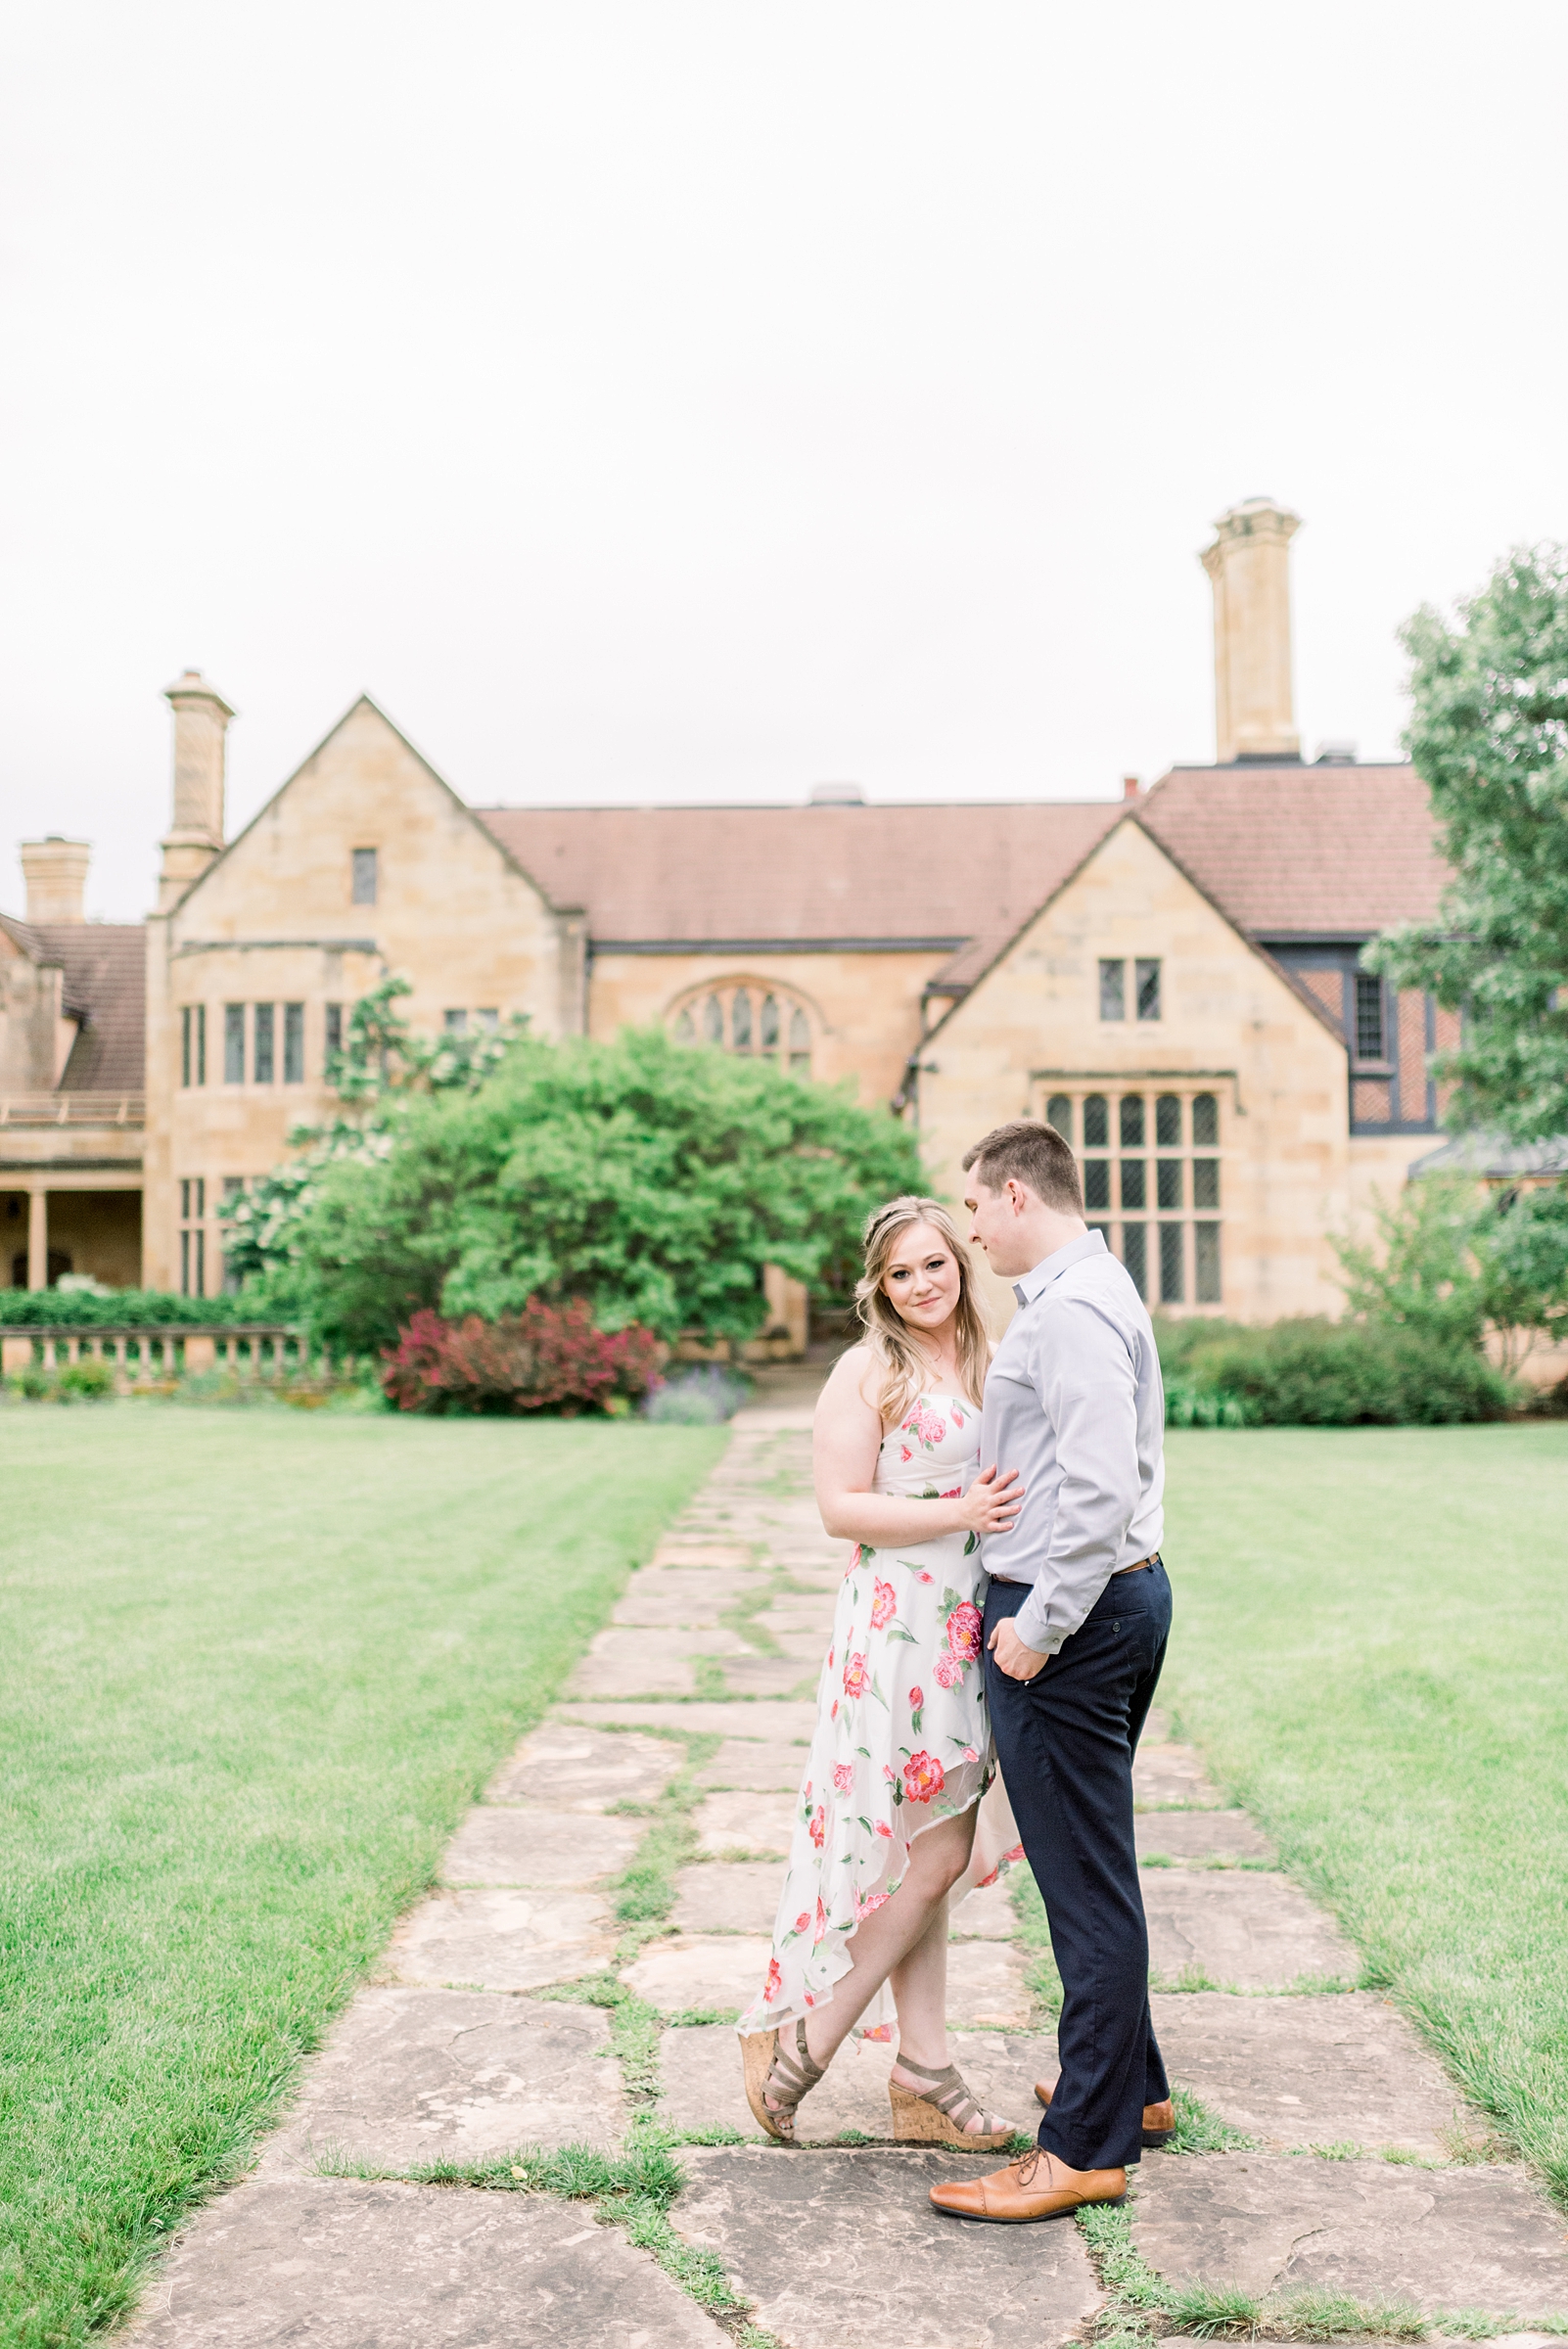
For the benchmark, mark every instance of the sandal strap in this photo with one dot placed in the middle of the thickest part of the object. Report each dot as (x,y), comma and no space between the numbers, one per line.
(792,2071)
(948,2091)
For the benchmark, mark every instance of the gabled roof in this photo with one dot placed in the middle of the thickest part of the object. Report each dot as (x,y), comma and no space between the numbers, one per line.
(105,987)
(935,875)
(1304,852)
(362,701)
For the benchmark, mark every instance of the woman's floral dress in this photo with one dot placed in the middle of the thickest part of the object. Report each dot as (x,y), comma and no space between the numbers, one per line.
(902,1734)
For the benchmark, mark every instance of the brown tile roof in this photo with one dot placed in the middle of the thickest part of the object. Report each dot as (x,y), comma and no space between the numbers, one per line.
(801,876)
(104,966)
(1300,852)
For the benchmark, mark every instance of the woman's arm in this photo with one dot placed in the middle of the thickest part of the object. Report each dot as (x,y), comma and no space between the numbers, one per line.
(845,1440)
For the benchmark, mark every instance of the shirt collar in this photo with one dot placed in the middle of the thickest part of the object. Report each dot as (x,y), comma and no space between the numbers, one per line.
(1051,1267)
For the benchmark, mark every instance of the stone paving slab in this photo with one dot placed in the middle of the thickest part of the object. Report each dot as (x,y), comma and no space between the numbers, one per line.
(410,2075)
(703,1555)
(745,1821)
(727,1895)
(1201,1836)
(715,1973)
(702,2081)
(986,1984)
(785,1722)
(565,1766)
(1325,2071)
(332,2261)
(984,1914)
(798,1618)
(1166,1775)
(495,1846)
(501,1940)
(630,1661)
(1239,1929)
(767,1676)
(853,2256)
(1464,2238)
(662,1598)
(769,1768)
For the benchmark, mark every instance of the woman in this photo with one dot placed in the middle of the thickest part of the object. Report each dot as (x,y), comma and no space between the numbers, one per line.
(902,1756)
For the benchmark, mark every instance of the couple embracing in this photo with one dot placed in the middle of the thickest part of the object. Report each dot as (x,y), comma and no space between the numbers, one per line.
(1004,1602)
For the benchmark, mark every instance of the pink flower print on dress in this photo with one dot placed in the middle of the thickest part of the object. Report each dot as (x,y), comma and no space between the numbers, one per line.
(956,1494)
(890,1775)
(916,1699)
(964,1627)
(884,1606)
(802,1920)
(957,1415)
(884,1829)
(854,1676)
(818,1827)
(822,1923)
(924,1423)
(775,1983)
(878,1899)
(904,1452)
(947,1670)
(970,1754)
(923,1777)
(879,2031)
(843,1777)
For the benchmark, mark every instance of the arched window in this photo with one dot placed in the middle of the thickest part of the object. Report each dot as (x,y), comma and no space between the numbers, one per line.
(766,1023)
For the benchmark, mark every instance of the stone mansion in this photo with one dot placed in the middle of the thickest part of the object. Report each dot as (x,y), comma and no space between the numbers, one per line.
(1172,979)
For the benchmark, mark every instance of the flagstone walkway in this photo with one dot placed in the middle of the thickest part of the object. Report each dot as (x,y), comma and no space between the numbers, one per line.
(1354,2167)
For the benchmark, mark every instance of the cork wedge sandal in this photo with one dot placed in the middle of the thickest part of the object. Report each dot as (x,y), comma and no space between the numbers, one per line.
(937,2115)
(772,2068)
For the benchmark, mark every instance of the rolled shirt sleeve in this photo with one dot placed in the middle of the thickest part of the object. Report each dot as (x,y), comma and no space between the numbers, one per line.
(1088,1388)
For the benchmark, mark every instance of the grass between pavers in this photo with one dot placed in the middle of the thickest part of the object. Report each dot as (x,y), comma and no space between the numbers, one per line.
(1141,2308)
(255,1667)
(1371,1647)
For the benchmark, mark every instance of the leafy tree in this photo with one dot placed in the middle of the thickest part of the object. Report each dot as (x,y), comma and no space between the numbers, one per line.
(1489,734)
(1457,1264)
(654,1180)
(382,1067)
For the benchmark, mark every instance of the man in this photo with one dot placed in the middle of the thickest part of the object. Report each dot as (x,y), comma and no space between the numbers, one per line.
(1077,1618)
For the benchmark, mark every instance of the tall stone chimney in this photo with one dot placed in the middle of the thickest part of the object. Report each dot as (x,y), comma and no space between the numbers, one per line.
(201,722)
(56,874)
(1249,564)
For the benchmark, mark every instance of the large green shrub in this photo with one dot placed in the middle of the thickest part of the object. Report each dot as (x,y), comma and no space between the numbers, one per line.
(1310,1372)
(651,1180)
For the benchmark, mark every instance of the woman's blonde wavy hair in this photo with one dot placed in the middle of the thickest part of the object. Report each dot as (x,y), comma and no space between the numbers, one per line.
(905,1368)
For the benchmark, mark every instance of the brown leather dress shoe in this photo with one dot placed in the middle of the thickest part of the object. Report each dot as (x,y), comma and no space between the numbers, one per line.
(1159,2120)
(1037,2185)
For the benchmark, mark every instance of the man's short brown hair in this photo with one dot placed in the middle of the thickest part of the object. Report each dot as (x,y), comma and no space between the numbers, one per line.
(1034,1155)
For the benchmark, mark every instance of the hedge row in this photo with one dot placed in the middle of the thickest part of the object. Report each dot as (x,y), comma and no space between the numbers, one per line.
(79,1309)
(1319,1374)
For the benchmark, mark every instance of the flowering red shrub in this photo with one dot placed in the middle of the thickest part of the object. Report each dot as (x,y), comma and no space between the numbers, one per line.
(547,1357)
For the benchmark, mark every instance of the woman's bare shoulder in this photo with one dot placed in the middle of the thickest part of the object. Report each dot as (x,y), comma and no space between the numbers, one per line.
(852,1376)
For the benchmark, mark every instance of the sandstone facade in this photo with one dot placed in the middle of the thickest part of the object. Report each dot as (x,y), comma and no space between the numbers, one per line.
(1173,978)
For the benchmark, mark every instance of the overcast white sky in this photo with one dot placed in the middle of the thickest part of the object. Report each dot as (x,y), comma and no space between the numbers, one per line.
(658,400)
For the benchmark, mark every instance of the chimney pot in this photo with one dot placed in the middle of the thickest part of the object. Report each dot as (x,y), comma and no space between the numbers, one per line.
(1249,564)
(1130,787)
(56,874)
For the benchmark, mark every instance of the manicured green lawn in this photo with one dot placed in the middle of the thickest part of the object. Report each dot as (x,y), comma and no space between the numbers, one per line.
(1371,1648)
(253,1665)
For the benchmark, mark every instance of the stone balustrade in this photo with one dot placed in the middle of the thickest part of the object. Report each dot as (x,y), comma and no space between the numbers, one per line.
(141,1354)
(72,1109)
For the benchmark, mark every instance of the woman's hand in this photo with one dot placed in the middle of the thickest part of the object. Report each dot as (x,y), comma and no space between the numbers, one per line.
(992,1502)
